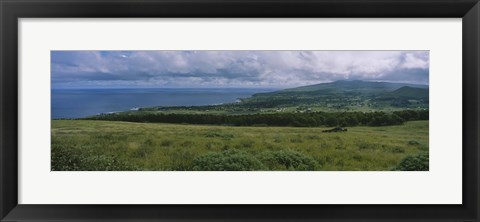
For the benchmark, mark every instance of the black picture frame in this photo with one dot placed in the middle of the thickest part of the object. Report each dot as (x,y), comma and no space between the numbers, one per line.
(12,10)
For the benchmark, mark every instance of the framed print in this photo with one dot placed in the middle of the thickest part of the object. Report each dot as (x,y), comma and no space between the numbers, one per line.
(227,110)
(240,93)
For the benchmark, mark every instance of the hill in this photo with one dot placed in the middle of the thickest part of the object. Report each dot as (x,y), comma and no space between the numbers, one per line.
(344,93)
(358,85)
(356,95)
(408,92)
(345,86)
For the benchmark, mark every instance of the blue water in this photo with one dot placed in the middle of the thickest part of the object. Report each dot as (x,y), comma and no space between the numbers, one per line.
(76,103)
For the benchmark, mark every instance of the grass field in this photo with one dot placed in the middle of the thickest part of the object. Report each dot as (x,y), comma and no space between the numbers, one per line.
(109,145)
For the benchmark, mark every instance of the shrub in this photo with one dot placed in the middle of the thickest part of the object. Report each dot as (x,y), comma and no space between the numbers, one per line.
(423,148)
(414,163)
(64,158)
(76,159)
(104,163)
(228,160)
(287,160)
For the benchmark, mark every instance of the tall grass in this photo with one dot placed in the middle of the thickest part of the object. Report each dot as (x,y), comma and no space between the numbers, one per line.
(109,145)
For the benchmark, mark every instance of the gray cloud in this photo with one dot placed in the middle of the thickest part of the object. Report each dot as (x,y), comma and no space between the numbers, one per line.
(233,68)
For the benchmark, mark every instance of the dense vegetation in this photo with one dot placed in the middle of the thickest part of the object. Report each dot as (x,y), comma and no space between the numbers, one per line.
(278,119)
(418,162)
(107,145)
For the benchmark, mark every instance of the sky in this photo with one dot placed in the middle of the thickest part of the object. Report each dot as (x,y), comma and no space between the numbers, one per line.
(228,69)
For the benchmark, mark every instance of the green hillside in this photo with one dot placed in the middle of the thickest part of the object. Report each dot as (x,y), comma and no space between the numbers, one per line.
(339,96)
(345,95)
(408,92)
(348,85)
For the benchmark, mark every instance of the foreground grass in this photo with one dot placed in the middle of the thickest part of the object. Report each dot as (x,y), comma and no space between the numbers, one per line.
(109,145)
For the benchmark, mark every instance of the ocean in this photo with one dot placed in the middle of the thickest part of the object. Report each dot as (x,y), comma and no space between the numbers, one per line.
(77,103)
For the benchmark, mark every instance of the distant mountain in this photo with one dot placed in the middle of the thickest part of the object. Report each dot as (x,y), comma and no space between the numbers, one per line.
(408,92)
(348,86)
(344,93)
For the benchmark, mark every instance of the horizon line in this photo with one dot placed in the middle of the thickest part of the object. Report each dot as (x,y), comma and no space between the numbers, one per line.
(236,87)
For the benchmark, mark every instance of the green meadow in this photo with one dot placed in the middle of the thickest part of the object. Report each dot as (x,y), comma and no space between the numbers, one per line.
(94,145)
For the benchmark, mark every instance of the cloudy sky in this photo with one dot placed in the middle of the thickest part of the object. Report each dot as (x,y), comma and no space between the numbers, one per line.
(276,69)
